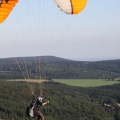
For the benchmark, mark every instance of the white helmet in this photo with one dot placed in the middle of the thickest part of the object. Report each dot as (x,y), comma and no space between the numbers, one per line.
(40,99)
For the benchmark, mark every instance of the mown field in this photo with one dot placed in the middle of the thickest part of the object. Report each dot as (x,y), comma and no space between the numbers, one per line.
(88,82)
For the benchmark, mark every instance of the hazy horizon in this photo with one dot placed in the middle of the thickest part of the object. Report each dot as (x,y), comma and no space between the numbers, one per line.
(39,28)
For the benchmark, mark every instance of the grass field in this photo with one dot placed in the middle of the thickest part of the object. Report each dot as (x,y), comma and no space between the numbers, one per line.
(87,82)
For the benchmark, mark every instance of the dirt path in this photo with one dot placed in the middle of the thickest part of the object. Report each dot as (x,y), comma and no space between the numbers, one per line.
(30,80)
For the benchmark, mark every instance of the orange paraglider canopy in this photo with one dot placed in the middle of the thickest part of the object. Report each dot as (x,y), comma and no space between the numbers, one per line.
(6,7)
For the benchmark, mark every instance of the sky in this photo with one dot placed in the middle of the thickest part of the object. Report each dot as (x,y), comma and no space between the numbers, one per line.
(39,27)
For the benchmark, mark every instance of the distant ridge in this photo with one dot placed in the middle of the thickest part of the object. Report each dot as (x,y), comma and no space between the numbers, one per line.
(48,59)
(56,67)
(33,58)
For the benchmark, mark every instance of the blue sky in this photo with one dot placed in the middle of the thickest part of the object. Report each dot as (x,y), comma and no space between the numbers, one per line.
(38,27)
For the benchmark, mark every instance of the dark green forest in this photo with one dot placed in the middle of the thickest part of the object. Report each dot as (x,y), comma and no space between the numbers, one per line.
(50,67)
(66,102)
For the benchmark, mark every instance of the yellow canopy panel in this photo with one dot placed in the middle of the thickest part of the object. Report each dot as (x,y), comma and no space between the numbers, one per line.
(6,8)
(78,5)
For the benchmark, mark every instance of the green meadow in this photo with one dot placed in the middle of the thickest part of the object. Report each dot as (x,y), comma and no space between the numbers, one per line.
(87,82)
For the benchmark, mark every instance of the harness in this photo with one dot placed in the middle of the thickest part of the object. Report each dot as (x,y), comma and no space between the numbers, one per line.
(34,108)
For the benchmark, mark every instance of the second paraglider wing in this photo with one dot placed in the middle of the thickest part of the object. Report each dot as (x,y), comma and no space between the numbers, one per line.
(71,6)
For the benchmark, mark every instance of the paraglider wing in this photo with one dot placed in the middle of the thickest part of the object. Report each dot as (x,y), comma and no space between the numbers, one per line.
(6,7)
(71,6)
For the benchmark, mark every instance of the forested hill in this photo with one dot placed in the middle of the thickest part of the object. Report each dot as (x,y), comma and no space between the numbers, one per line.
(33,59)
(66,102)
(54,67)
